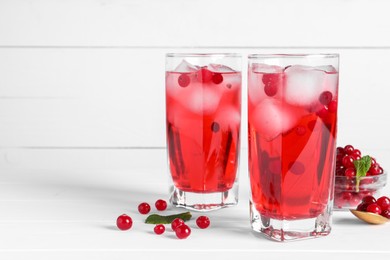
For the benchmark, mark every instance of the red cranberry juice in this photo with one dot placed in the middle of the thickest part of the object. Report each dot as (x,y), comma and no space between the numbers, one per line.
(292,115)
(203,126)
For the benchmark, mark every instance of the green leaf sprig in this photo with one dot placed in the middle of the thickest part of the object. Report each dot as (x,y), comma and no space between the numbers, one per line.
(159,219)
(361,166)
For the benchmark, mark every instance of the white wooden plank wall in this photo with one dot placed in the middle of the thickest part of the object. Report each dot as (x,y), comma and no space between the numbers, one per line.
(90,73)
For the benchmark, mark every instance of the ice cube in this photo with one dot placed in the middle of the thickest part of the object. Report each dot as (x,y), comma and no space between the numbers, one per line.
(171,84)
(183,121)
(228,118)
(273,117)
(331,78)
(264,68)
(185,66)
(220,68)
(255,88)
(327,68)
(331,83)
(200,100)
(303,85)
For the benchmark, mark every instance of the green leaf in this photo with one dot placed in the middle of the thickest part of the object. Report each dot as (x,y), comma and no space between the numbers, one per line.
(159,219)
(361,166)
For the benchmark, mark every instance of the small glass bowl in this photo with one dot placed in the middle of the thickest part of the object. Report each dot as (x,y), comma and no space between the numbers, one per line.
(347,195)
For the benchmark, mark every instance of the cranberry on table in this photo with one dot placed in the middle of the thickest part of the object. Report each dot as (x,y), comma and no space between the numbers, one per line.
(124,222)
(144,208)
(374,208)
(183,231)
(176,223)
(159,229)
(203,222)
(161,205)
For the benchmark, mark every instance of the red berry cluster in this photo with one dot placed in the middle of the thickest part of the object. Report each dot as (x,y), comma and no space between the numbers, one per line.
(271,82)
(345,162)
(144,207)
(182,231)
(379,206)
(347,192)
(180,228)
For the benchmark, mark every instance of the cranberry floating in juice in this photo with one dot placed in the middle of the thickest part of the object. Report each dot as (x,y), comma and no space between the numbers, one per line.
(203,115)
(292,115)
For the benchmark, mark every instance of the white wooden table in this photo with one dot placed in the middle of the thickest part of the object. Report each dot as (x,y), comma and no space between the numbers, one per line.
(89,75)
(63,204)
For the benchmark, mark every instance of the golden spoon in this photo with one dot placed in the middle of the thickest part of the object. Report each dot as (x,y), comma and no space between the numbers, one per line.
(369,217)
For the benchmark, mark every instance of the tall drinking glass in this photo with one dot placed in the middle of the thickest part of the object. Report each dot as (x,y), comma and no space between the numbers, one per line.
(203,115)
(292,114)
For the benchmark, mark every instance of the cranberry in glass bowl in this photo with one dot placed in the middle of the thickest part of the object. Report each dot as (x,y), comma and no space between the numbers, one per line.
(357,176)
(348,194)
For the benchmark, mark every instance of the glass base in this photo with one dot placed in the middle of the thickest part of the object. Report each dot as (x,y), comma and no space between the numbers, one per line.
(204,201)
(287,230)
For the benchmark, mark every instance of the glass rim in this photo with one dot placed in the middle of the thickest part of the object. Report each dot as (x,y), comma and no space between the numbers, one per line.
(294,55)
(201,55)
(382,175)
